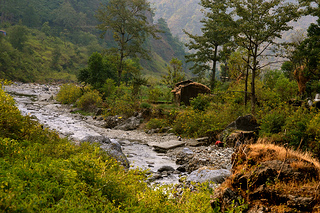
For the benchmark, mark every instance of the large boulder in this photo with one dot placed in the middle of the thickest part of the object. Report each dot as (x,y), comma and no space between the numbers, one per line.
(207,174)
(186,90)
(129,124)
(245,123)
(111,147)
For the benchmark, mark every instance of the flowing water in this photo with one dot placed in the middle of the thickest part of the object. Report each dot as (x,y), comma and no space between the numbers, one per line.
(36,101)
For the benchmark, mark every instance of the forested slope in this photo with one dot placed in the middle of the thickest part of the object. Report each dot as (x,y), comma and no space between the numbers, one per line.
(52,37)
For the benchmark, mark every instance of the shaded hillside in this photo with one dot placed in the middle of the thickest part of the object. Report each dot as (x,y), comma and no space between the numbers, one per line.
(186,14)
(65,24)
(180,14)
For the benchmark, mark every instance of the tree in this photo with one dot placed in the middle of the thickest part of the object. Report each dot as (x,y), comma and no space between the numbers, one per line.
(18,36)
(128,21)
(310,49)
(259,23)
(98,71)
(67,17)
(175,73)
(216,32)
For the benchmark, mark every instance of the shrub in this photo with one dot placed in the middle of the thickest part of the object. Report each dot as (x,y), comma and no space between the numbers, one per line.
(154,94)
(155,123)
(296,126)
(122,102)
(89,101)
(145,105)
(272,123)
(200,103)
(68,93)
(109,88)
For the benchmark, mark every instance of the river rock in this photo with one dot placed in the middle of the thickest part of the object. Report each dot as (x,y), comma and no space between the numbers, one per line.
(129,124)
(113,121)
(206,174)
(166,168)
(167,145)
(112,147)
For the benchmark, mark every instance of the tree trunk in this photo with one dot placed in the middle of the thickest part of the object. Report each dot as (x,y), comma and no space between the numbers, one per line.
(120,67)
(253,92)
(213,77)
(246,82)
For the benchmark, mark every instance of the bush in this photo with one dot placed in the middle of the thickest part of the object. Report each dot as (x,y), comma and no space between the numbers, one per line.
(68,93)
(108,88)
(154,94)
(145,105)
(200,103)
(122,102)
(155,123)
(296,126)
(272,123)
(89,101)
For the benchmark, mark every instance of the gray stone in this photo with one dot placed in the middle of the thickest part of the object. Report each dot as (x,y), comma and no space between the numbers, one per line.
(129,124)
(245,123)
(202,175)
(112,148)
(187,151)
(197,143)
(167,145)
(166,168)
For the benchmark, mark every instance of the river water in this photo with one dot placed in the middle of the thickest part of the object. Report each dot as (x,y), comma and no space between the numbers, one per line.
(37,101)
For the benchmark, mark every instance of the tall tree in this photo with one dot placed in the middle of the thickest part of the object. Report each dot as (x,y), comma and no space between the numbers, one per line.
(216,32)
(127,20)
(309,52)
(259,24)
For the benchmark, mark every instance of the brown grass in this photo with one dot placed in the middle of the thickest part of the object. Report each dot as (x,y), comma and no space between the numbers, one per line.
(271,151)
(252,154)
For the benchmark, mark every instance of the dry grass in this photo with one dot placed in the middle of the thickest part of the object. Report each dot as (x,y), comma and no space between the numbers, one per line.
(249,156)
(268,151)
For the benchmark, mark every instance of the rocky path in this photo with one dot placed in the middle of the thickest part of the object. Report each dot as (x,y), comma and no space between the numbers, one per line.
(38,101)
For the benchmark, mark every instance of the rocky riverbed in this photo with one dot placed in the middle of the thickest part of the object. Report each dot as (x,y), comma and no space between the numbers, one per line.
(175,160)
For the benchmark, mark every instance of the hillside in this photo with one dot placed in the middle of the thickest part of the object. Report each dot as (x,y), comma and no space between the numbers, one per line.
(180,14)
(59,32)
(186,14)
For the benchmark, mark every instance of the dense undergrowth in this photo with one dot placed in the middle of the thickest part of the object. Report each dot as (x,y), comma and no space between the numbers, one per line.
(40,172)
(283,116)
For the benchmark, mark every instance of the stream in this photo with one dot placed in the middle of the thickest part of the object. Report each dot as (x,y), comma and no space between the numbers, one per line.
(38,102)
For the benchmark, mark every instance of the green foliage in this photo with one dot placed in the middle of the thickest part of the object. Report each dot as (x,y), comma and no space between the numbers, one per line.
(216,31)
(273,122)
(68,93)
(122,102)
(127,20)
(108,88)
(18,36)
(309,50)
(200,103)
(98,71)
(155,123)
(175,73)
(154,94)
(145,105)
(39,172)
(282,86)
(296,125)
(257,32)
(89,101)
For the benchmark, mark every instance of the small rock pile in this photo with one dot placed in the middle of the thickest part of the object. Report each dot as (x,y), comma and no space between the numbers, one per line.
(193,158)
